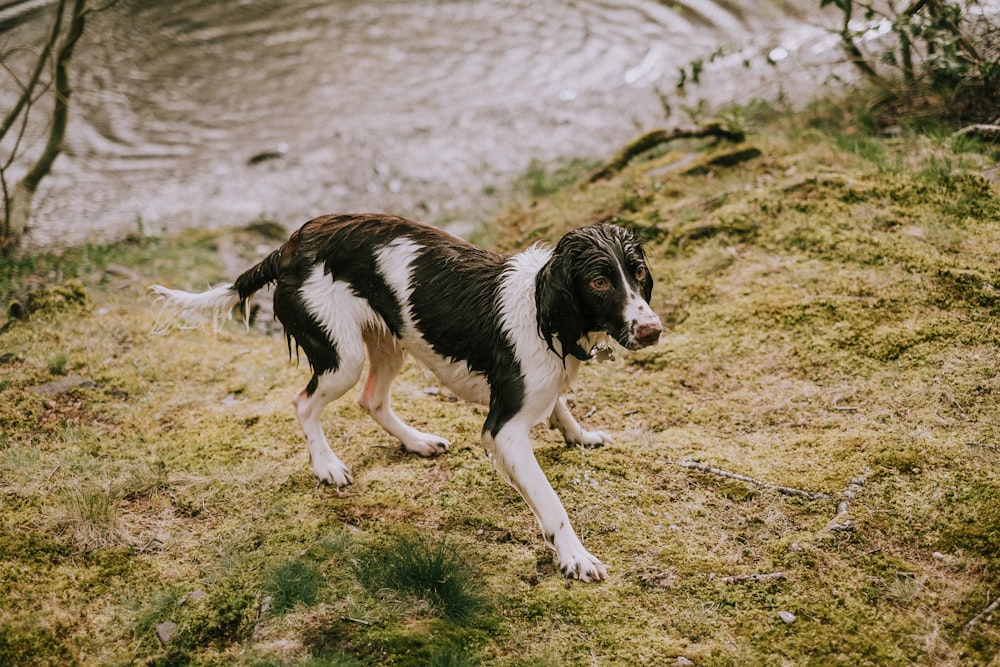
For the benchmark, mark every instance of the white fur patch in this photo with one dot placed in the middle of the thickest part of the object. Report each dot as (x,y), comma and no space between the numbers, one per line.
(543,371)
(341,313)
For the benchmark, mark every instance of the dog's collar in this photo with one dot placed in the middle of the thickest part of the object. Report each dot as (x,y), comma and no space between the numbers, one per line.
(600,351)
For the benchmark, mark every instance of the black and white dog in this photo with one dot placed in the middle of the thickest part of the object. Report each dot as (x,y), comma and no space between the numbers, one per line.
(508,332)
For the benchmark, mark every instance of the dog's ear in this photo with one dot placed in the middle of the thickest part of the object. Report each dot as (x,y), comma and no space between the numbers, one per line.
(559,314)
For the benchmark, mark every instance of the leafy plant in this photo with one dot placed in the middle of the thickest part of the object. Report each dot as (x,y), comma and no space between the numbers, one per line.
(930,55)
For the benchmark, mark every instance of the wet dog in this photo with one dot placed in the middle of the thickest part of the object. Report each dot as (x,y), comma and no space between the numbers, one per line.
(505,331)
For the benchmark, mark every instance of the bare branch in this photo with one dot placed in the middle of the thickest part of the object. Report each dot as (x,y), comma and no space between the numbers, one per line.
(60,114)
(981,616)
(984,131)
(753,578)
(842,520)
(788,491)
(654,138)
(26,95)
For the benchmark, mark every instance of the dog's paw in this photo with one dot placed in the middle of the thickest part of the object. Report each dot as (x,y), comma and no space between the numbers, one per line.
(333,472)
(590,439)
(584,566)
(427,445)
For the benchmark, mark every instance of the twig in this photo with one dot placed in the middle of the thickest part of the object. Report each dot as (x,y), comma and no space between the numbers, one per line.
(654,138)
(788,491)
(842,520)
(150,543)
(985,132)
(359,621)
(981,616)
(744,578)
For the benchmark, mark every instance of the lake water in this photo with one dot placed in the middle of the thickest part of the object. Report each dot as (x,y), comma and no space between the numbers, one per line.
(191,113)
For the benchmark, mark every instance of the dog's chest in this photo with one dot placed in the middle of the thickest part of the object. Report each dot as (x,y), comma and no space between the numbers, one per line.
(455,375)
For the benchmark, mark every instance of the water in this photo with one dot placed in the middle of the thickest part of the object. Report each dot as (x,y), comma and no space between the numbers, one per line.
(187,113)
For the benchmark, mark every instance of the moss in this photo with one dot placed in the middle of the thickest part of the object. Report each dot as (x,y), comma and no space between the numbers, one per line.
(31,643)
(969,519)
(222,617)
(31,548)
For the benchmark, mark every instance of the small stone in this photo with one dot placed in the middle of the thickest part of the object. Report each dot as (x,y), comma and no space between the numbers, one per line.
(165,630)
(193,596)
(64,384)
(938,555)
(681,661)
(786,616)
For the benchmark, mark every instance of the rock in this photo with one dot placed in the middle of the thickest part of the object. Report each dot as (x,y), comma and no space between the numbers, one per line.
(681,661)
(193,596)
(165,630)
(64,384)
(786,616)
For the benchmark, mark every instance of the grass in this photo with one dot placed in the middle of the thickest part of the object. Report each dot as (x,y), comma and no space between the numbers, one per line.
(293,582)
(433,572)
(831,309)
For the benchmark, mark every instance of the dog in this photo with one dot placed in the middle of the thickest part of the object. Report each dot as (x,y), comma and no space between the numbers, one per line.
(509,332)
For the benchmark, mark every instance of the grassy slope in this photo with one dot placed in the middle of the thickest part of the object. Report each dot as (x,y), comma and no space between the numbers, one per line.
(832,314)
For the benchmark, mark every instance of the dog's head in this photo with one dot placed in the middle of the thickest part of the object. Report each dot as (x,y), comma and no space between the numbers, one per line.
(597,280)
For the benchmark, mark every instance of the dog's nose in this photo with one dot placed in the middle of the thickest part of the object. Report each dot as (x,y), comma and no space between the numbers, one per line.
(648,334)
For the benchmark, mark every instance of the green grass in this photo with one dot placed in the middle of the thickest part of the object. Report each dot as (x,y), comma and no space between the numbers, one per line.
(433,571)
(293,582)
(832,308)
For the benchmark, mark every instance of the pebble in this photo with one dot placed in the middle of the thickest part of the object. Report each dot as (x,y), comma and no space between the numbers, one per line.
(787,616)
(165,631)
(64,384)
(681,661)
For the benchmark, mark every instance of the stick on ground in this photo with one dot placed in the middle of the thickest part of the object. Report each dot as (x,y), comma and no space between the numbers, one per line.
(981,616)
(788,491)
(842,520)
(753,578)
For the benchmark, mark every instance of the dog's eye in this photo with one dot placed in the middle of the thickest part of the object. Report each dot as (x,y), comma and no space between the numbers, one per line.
(640,273)
(601,284)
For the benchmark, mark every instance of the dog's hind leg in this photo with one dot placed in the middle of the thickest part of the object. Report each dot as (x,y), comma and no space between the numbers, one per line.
(386,358)
(309,404)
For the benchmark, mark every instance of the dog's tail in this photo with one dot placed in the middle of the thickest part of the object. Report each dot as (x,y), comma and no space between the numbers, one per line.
(191,309)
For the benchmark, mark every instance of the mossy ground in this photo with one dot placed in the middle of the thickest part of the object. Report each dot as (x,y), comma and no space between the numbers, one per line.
(833,312)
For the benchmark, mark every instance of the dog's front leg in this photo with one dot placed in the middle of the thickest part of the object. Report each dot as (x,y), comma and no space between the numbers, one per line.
(513,458)
(573,433)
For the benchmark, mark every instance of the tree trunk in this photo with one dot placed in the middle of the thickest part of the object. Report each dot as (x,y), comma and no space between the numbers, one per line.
(19,205)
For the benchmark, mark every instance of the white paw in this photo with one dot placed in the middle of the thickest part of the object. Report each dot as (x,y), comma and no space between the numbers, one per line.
(590,439)
(333,472)
(582,565)
(426,444)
